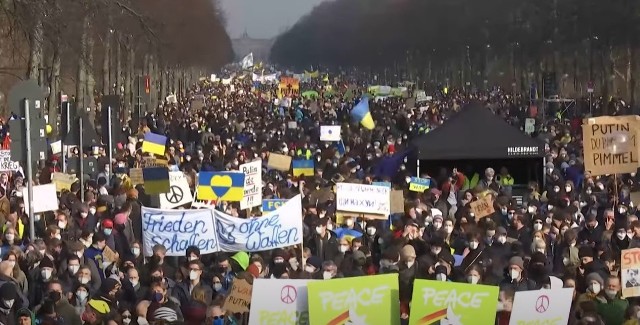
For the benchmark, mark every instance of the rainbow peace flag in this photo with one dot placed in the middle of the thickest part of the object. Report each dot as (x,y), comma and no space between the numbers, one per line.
(156,180)
(154,143)
(221,186)
(303,167)
(361,114)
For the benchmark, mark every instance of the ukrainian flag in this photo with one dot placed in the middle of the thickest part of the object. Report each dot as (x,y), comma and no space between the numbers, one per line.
(154,143)
(360,113)
(156,180)
(221,186)
(348,234)
(303,167)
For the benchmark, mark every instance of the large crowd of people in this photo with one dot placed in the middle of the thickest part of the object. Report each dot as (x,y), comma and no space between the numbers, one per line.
(571,226)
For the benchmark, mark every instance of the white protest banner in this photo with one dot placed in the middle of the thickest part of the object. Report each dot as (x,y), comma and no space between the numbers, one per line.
(279,301)
(5,161)
(45,198)
(178,229)
(330,133)
(276,229)
(546,306)
(421,96)
(529,125)
(252,184)
(179,192)
(363,198)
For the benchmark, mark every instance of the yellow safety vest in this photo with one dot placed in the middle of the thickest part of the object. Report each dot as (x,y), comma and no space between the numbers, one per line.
(506,180)
(471,183)
(307,154)
(20,228)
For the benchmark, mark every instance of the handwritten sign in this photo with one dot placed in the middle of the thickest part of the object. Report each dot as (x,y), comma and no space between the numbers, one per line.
(610,144)
(178,229)
(154,162)
(109,255)
(5,161)
(135,174)
(630,273)
(63,181)
(363,198)
(482,207)
(179,192)
(419,184)
(252,184)
(239,296)
(272,205)
(276,229)
(279,162)
(289,306)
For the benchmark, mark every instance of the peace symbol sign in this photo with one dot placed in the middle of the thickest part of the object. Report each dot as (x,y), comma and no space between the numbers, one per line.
(288,294)
(542,304)
(174,195)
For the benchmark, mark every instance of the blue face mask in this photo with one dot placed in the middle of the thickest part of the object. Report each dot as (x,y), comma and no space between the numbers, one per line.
(108,231)
(219,321)
(157,297)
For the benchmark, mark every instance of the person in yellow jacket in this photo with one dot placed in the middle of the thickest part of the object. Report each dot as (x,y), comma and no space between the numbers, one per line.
(506,180)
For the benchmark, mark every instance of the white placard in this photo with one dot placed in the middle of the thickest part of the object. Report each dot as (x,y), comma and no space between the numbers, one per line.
(421,96)
(6,163)
(330,133)
(529,125)
(47,200)
(544,306)
(279,301)
(252,184)
(56,147)
(177,230)
(179,192)
(276,229)
(363,198)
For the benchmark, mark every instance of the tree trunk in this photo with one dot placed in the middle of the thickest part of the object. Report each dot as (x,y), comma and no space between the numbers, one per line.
(54,87)
(35,52)
(81,83)
(163,83)
(129,91)
(106,86)
(118,59)
(90,91)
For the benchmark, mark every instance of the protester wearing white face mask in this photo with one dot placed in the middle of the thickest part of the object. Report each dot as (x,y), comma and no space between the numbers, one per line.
(517,280)
(324,243)
(182,291)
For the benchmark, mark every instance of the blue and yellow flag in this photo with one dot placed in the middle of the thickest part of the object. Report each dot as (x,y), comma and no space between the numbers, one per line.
(346,233)
(156,180)
(303,167)
(221,186)
(361,114)
(154,143)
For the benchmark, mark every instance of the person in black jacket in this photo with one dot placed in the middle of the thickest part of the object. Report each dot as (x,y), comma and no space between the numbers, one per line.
(592,232)
(324,243)
(8,295)
(517,280)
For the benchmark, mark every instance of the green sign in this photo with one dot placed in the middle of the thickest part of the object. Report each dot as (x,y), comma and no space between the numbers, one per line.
(455,303)
(366,300)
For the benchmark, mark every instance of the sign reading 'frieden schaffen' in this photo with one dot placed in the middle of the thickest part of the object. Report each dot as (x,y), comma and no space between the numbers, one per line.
(610,144)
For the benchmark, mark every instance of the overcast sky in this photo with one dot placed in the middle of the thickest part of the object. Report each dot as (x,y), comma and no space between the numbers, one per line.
(264,18)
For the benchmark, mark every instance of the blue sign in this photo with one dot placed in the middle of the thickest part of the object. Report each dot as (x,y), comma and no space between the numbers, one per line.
(385,184)
(272,205)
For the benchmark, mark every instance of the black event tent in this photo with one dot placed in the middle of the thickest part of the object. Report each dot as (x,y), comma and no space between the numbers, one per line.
(474,139)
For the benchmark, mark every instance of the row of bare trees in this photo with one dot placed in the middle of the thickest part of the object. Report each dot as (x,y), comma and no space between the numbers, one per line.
(461,42)
(90,48)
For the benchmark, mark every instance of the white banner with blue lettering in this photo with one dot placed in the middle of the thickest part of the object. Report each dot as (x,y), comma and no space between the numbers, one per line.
(276,229)
(177,230)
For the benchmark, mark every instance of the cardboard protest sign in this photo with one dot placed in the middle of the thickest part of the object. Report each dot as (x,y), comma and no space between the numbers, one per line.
(370,199)
(630,272)
(135,174)
(279,301)
(239,296)
(252,184)
(482,207)
(610,144)
(397,201)
(547,306)
(275,229)
(438,302)
(109,255)
(178,229)
(279,162)
(154,162)
(63,181)
(359,300)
